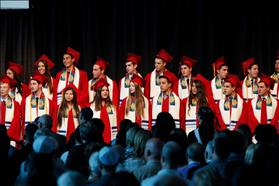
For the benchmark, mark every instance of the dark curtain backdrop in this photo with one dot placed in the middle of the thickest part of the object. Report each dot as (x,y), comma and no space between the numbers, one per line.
(201,29)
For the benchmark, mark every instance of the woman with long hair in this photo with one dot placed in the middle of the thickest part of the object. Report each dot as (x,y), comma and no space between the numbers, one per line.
(20,90)
(136,106)
(104,109)
(68,112)
(196,99)
(43,66)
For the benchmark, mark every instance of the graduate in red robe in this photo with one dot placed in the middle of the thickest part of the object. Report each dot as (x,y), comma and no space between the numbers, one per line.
(136,107)
(104,109)
(231,111)
(183,85)
(98,72)
(20,90)
(263,109)
(10,109)
(72,75)
(132,62)
(151,80)
(43,66)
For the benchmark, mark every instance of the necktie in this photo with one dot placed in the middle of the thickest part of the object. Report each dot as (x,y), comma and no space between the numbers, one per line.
(263,112)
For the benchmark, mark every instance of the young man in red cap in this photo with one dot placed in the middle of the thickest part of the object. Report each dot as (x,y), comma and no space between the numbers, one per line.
(152,82)
(231,110)
(37,104)
(98,72)
(72,75)
(10,109)
(220,70)
(263,109)
(249,85)
(183,86)
(275,76)
(167,100)
(132,62)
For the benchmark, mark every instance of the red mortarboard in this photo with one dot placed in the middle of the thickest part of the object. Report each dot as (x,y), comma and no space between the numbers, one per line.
(164,55)
(233,79)
(277,56)
(102,63)
(267,80)
(46,59)
(7,79)
(100,83)
(246,64)
(39,77)
(75,54)
(17,68)
(168,75)
(216,65)
(70,86)
(134,58)
(137,79)
(188,61)
(205,83)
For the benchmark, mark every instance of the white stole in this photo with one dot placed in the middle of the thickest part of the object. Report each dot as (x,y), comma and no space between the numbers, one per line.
(46,91)
(274,91)
(231,120)
(112,119)
(270,111)
(31,113)
(63,84)
(154,89)
(191,117)
(217,93)
(174,110)
(247,92)
(9,114)
(64,125)
(183,93)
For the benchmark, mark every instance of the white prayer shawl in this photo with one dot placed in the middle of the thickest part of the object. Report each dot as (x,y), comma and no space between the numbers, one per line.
(191,118)
(9,115)
(92,93)
(154,89)
(144,120)
(124,91)
(247,92)
(274,91)
(31,113)
(183,93)
(112,120)
(174,110)
(217,93)
(17,96)
(270,111)
(64,125)
(63,84)
(231,121)
(46,91)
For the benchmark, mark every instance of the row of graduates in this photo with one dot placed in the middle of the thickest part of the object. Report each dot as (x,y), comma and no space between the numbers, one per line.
(180,97)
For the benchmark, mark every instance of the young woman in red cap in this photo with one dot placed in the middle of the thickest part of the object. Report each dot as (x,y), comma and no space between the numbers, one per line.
(68,112)
(43,65)
(136,106)
(104,109)
(20,91)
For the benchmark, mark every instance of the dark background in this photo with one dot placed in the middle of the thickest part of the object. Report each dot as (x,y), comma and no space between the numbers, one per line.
(204,30)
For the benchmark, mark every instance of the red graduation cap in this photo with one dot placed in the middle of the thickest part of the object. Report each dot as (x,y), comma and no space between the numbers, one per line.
(137,79)
(102,63)
(134,58)
(267,80)
(70,86)
(205,83)
(233,79)
(7,79)
(164,55)
(17,68)
(49,63)
(75,54)
(246,64)
(39,77)
(188,61)
(277,55)
(168,75)
(216,65)
(100,83)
